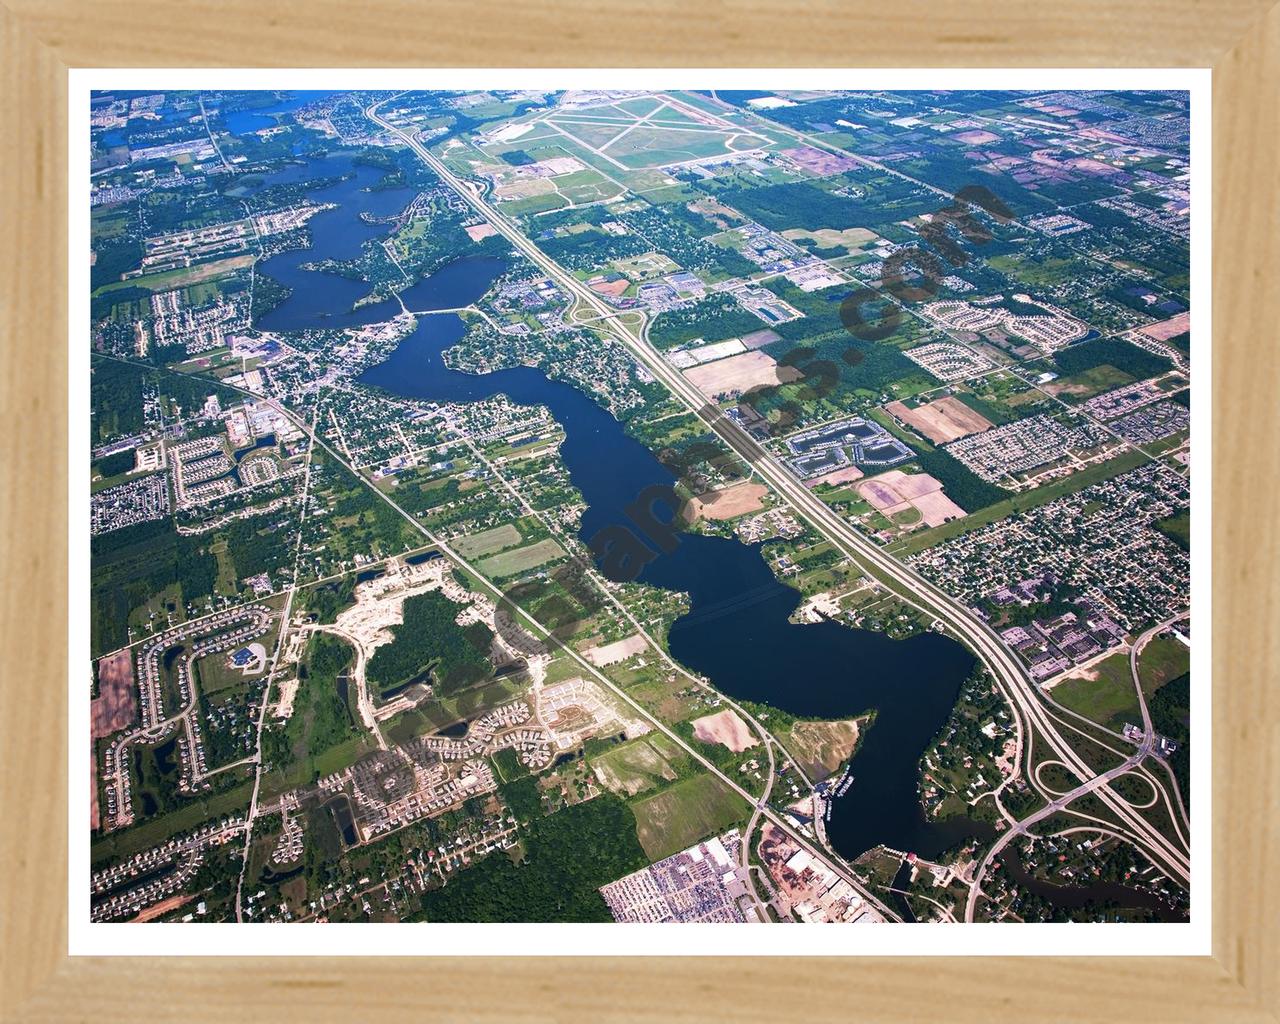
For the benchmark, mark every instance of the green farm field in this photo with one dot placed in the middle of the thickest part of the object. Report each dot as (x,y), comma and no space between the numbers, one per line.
(689,811)
(1109,699)
(1163,659)
(486,542)
(519,560)
(638,765)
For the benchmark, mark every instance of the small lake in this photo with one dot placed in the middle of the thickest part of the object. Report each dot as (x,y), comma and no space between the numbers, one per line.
(340,808)
(242,122)
(321,299)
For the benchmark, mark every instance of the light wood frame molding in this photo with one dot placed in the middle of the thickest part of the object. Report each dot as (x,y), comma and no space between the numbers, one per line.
(1239,39)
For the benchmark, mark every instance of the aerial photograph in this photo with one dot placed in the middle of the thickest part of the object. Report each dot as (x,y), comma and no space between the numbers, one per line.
(625,505)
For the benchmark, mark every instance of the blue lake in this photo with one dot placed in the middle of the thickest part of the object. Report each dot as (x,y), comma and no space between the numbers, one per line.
(320,299)
(242,122)
(737,631)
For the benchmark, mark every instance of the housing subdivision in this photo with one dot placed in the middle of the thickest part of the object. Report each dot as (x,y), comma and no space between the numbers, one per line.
(138,501)
(1044,326)
(1127,576)
(1153,422)
(1000,454)
(947,360)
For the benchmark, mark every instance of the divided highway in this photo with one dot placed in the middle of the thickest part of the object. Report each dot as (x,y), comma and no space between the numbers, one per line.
(1008,673)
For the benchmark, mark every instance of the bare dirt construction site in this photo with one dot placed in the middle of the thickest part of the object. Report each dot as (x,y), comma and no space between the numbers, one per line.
(843,475)
(577,709)
(944,420)
(525,188)
(111,710)
(619,650)
(977,138)
(732,376)
(1170,328)
(114,706)
(725,728)
(163,907)
(479,232)
(822,747)
(380,602)
(894,491)
(614,288)
(726,503)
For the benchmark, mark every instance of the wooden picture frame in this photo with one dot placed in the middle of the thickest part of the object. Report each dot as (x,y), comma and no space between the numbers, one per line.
(42,39)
